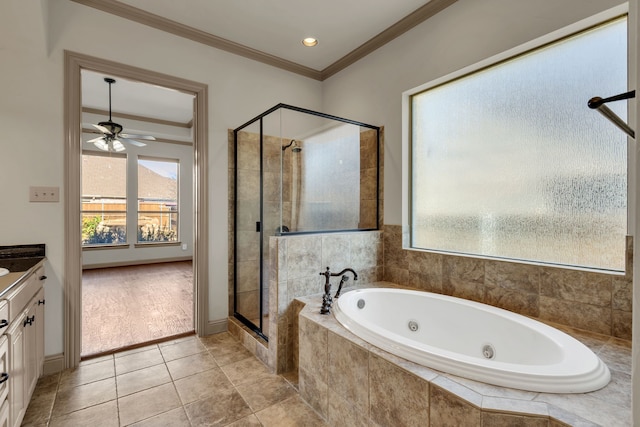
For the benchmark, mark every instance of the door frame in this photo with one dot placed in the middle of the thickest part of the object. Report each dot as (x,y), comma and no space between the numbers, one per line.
(73,64)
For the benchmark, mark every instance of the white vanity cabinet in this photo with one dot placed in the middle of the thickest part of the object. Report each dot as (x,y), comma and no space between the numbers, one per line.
(25,344)
(4,379)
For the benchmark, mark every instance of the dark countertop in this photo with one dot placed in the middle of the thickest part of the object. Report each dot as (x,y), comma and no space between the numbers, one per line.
(21,261)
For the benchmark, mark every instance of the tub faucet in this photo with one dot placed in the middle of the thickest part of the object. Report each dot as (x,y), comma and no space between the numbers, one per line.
(326,298)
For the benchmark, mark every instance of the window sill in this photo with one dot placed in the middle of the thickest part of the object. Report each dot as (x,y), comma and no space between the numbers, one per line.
(155,244)
(101,247)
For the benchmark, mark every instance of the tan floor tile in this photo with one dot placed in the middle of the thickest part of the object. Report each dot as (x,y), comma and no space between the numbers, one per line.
(292,412)
(181,349)
(148,403)
(266,392)
(142,379)
(83,396)
(190,365)
(201,385)
(40,406)
(217,340)
(223,408)
(247,370)
(178,340)
(47,384)
(134,361)
(135,350)
(87,373)
(227,353)
(174,418)
(250,421)
(103,415)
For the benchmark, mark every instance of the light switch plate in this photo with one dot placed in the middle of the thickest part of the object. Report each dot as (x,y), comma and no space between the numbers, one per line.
(44,194)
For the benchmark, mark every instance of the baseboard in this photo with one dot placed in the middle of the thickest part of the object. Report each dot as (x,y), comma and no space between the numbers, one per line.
(217,326)
(53,364)
(135,262)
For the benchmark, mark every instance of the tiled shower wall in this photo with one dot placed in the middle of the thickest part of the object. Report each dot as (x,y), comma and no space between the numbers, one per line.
(296,264)
(586,300)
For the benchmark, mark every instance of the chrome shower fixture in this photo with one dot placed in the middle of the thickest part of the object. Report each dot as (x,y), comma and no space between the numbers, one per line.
(295,148)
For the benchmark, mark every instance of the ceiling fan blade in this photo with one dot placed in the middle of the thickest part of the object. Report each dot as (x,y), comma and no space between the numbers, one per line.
(134,136)
(103,129)
(96,139)
(131,141)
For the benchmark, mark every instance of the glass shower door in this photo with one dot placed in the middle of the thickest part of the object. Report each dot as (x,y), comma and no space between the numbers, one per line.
(248,242)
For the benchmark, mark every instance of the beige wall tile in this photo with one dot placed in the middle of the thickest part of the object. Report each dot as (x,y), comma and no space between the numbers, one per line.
(348,374)
(490,419)
(526,303)
(314,391)
(336,252)
(397,397)
(622,294)
(578,286)
(303,256)
(343,414)
(507,275)
(578,315)
(449,410)
(622,321)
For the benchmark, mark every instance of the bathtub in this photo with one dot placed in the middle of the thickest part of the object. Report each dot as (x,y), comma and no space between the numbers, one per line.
(471,340)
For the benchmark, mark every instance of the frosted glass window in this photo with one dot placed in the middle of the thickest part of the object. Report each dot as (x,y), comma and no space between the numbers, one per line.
(509,161)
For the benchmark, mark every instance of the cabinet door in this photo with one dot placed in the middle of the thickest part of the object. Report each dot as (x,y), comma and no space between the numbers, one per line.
(39,325)
(17,405)
(4,368)
(4,414)
(30,351)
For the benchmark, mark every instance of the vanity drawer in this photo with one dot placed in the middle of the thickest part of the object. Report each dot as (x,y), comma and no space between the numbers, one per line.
(19,297)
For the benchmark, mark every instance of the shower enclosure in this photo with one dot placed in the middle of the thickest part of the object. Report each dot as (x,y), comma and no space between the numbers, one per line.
(296,171)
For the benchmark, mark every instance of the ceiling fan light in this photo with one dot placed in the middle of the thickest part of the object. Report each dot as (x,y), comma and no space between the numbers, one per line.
(101,144)
(117,146)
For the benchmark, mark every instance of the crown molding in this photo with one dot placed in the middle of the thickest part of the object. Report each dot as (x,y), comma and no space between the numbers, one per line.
(143,17)
(416,17)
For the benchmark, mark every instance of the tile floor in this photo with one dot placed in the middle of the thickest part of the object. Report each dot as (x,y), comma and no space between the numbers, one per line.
(211,381)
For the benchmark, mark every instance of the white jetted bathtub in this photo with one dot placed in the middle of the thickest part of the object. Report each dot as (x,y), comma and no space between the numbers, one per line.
(471,340)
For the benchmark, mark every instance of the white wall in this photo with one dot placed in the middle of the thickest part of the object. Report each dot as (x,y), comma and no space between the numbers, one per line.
(463,34)
(33,37)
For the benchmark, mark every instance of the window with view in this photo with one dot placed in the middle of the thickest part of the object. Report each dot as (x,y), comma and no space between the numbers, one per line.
(508,161)
(104,199)
(157,200)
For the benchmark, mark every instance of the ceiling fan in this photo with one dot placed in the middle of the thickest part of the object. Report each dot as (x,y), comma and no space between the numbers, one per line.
(112,138)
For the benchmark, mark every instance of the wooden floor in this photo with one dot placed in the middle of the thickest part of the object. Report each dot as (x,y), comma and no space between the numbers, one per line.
(126,306)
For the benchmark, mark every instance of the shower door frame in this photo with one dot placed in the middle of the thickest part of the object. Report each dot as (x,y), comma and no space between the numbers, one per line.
(258,329)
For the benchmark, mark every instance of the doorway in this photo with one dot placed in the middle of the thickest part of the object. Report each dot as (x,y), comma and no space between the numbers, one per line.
(74,64)
(137,210)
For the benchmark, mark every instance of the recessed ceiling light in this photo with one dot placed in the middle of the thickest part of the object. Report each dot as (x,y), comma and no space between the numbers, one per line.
(309,42)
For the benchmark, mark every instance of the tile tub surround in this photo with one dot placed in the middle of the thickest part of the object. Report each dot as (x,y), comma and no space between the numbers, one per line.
(296,264)
(596,302)
(294,271)
(350,382)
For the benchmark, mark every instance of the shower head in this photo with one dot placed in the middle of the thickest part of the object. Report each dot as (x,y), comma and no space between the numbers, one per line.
(295,148)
